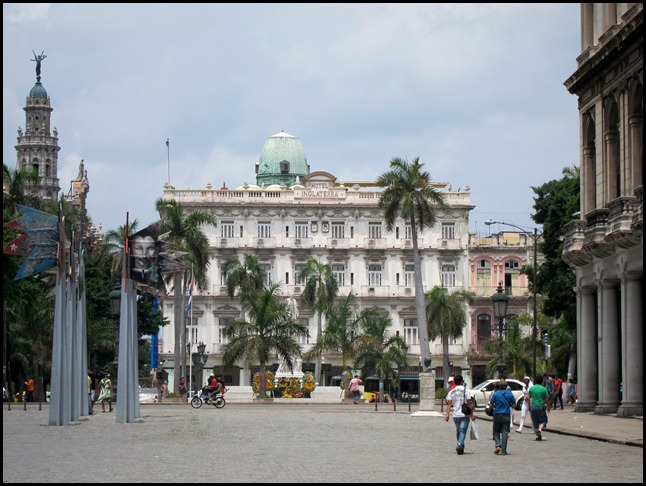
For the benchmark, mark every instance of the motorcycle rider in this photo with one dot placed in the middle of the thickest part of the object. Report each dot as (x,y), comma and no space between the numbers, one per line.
(211,387)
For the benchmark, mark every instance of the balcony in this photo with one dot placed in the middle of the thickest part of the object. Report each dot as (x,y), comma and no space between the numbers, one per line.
(301,242)
(226,242)
(408,243)
(337,243)
(374,243)
(264,242)
(372,291)
(448,244)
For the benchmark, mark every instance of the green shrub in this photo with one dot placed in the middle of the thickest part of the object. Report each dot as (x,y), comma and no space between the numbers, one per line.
(171,395)
(440,393)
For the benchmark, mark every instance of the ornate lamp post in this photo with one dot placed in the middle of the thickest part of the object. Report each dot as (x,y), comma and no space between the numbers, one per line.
(534,286)
(199,360)
(500,301)
(115,303)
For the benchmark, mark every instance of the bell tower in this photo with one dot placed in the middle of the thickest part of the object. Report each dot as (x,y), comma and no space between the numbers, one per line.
(37,146)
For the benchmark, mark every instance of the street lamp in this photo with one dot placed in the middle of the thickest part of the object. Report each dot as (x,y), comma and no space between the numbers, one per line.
(534,289)
(199,360)
(115,300)
(115,303)
(500,301)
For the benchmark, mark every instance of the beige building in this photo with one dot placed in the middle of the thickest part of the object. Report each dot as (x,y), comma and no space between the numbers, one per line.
(606,246)
(493,259)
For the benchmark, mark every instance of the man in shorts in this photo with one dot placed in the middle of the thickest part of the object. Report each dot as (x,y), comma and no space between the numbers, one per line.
(540,405)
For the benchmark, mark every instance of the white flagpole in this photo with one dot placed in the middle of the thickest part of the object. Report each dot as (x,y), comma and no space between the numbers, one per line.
(190,357)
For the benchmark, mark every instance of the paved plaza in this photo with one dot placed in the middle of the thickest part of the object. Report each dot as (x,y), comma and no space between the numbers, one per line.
(273,443)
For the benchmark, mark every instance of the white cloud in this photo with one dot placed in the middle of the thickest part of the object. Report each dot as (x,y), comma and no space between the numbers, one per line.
(475,91)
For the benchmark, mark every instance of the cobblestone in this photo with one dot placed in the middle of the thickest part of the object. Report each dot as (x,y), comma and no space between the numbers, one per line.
(289,443)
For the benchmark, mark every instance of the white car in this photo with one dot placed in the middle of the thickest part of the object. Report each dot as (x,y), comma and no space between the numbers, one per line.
(482,392)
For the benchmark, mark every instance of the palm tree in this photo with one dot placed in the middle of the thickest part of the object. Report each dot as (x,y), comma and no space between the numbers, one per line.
(318,294)
(115,241)
(16,185)
(269,328)
(247,274)
(378,351)
(517,350)
(185,234)
(410,195)
(447,318)
(343,326)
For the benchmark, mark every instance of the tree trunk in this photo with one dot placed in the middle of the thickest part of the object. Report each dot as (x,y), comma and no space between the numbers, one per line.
(420,303)
(319,337)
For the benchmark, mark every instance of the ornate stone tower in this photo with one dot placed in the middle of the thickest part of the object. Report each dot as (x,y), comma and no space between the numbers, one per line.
(36,147)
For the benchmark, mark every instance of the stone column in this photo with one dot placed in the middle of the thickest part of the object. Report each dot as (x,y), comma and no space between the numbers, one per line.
(609,348)
(632,401)
(427,391)
(587,349)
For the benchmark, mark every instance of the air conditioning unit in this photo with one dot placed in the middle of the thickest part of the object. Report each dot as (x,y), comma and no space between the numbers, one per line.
(371,289)
(408,291)
(445,243)
(297,241)
(297,289)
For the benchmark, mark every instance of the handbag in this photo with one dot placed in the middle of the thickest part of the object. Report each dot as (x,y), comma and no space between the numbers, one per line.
(473,432)
(488,409)
(466,409)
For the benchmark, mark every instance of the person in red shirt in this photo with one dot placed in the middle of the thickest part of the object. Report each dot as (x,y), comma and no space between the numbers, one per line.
(211,386)
(557,393)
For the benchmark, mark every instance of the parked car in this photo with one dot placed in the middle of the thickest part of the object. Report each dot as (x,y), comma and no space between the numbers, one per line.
(482,392)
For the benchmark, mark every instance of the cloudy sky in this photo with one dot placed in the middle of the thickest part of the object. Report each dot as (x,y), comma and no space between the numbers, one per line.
(475,91)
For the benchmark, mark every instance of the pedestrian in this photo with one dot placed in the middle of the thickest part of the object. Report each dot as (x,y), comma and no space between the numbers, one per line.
(548,383)
(502,400)
(571,392)
(90,394)
(30,389)
(557,393)
(539,403)
(454,400)
(182,386)
(354,388)
(106,392)
(525,406)
(164,389)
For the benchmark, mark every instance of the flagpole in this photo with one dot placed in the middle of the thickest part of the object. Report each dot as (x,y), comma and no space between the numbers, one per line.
(190,308)
(168,158)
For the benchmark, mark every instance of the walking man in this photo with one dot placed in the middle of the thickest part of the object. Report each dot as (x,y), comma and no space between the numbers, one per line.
(354,388)
(502,400)
(454,399)
(539,403)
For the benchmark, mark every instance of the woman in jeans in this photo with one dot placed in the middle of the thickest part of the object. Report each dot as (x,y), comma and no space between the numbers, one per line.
(455,398)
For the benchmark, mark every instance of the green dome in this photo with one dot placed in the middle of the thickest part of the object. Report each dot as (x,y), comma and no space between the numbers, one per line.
(38,91)
(282,159)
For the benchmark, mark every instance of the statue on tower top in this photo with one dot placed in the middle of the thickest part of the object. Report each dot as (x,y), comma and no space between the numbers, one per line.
(38,58)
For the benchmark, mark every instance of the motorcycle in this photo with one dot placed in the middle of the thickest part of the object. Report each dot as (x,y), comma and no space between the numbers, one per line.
(217,401)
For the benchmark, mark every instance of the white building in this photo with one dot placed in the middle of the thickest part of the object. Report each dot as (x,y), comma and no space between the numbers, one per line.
(294,214)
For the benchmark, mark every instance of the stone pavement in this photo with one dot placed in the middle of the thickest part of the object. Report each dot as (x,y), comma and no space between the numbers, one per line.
(284,442)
